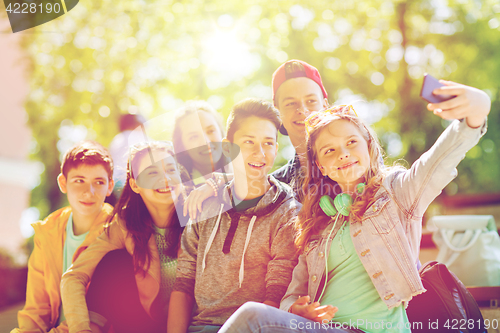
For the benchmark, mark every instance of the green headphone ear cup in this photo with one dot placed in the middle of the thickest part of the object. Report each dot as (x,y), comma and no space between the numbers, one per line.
(343,203)
(327,205)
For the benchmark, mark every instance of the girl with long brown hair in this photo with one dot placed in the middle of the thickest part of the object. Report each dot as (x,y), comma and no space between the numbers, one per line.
(359,229)
(129,270)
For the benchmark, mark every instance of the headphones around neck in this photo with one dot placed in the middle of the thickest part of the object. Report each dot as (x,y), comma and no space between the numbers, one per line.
(341,204)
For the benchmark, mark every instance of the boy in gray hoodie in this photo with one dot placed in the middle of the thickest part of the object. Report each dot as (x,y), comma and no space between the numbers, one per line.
(241,246)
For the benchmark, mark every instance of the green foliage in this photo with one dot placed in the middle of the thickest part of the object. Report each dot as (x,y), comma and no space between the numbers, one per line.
(105,58)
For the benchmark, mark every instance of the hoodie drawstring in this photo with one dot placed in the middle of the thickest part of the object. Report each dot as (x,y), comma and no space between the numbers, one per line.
(211,239)
(247,240)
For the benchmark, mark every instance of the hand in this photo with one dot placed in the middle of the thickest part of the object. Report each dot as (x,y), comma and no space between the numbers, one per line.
(313,311)
(469,103)
(195,199)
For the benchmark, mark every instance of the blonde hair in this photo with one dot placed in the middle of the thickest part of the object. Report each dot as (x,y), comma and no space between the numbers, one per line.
(311,219)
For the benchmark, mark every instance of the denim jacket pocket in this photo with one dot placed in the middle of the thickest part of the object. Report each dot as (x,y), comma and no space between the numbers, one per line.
(380,216)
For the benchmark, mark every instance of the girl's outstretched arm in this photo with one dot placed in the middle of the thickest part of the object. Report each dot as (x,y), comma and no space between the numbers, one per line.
(416,188)
(469,103)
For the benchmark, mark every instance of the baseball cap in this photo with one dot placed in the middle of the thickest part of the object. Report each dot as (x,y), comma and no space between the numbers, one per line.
(281,75)
(284,72)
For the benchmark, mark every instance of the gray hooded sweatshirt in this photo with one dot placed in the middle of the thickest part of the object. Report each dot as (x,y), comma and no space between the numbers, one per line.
(224,267)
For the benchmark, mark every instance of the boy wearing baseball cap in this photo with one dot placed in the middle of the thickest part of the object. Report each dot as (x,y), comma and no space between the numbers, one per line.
(297,91)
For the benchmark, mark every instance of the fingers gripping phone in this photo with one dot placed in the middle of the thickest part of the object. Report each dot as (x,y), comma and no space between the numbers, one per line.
(431,83)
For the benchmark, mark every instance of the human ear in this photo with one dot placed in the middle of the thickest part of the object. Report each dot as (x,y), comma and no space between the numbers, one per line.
(61,182)
(111,185)
(325,103)
(133,185)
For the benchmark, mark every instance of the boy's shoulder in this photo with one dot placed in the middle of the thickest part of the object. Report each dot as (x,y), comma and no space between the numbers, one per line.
(61,216)
(281,197)
(286,212)
(210,208)
(55,218)
(290,201)
(279,203)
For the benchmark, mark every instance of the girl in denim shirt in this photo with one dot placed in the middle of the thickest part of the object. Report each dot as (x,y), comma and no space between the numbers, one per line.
(358,272)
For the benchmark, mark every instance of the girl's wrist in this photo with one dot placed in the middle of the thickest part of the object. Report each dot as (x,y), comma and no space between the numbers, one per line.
(212,183)
(218,180)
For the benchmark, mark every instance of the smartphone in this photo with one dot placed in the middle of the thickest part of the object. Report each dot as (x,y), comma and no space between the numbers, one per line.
(431,83)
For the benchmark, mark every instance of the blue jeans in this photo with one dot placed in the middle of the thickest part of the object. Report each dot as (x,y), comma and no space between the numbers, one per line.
(254,317)
(203,329)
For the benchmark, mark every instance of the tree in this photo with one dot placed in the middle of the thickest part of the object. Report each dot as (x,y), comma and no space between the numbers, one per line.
(107,58)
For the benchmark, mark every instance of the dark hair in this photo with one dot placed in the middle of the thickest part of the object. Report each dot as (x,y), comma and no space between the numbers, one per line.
(193,107)
(87,153)
(251,107)
(130,121)
(132,209)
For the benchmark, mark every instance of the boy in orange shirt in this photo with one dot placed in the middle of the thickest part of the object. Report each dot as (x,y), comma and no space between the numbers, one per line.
(86,179)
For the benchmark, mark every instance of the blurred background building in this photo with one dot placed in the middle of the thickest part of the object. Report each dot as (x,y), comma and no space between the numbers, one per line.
(17,174)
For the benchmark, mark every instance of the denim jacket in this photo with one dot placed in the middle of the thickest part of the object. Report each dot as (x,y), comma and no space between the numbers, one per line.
(387,240)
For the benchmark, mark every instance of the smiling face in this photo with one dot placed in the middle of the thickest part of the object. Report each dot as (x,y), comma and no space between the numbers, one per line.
(158,181)
(198,131)
(296,99)
(256,138)
(342,154)
(86,186)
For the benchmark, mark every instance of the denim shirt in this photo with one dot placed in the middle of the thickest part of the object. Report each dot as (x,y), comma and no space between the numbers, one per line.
(387,239)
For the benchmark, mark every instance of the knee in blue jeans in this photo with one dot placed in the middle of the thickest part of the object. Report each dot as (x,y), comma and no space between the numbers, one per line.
(251,310)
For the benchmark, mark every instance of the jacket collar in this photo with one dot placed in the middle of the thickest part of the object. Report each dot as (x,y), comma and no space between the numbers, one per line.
(272,199)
